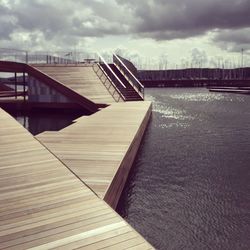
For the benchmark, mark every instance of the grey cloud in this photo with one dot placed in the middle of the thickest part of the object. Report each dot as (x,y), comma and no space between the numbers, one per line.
(170,35)
(96,26)
(32,16)
(108,10)
(57,19)
(233,40)
(72,20)
(7,22)
(7,27)
(180,17)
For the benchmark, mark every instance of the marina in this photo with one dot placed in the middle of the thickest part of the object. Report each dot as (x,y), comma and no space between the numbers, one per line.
(124,125)
(191,174)
(66,180)
(44,205)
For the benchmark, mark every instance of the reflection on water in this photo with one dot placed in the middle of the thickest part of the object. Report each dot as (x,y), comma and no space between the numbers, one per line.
(38,122)
(202,97)
(190,185)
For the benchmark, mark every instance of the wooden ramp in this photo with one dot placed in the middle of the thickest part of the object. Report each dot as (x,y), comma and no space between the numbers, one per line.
(81,79)
(43,205)
(77,98)
(100,149)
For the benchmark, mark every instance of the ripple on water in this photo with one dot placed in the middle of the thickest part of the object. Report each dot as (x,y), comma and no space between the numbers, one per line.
(189,188)
(200,97)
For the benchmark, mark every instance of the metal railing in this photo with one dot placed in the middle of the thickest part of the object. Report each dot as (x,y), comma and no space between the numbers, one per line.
(107,81)
(115,78)
(14,55)
(139,88)
(18,86)
(42,57)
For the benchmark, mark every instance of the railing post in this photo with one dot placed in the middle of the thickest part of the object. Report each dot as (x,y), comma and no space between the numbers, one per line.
(26,57)
(15,86)
(24,97)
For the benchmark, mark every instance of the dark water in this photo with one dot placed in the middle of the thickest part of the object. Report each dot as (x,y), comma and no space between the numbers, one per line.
(190,186)
(40,121)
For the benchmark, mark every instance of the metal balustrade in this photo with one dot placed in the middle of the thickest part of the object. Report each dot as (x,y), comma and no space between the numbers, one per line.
(110,84)
(41,57)
(139,88)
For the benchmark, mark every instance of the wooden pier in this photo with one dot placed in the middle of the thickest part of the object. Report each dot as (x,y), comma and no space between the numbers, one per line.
(44,205)
(59,189)
(245,91)
(100,149)
(81,79)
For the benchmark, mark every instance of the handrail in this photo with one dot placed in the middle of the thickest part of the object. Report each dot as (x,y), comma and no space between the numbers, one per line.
(33,57)
(36,59)
(129,70)
(107,76)
(9,50)
(116,77)
(132,79)
(110,81)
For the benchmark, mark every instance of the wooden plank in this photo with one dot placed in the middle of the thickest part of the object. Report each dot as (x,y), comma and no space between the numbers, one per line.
(102,240)
(100,149)
(43,204)
(82,80)
(62,88)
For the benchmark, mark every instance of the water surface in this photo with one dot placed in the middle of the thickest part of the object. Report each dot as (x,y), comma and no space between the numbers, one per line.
(190,186)
(37,122)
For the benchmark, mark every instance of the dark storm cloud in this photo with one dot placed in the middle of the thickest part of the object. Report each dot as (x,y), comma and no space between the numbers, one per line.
(6,28)
(158,19)
(170,19)
(233,40)
(57,20)
(7,22)
(33,15)
(237,36)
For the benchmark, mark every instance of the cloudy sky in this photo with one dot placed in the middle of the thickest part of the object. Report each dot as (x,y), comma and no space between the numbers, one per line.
(153,33)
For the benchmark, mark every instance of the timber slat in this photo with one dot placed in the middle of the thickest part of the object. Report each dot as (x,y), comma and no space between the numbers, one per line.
(44,205)
(81,79)
(100,149)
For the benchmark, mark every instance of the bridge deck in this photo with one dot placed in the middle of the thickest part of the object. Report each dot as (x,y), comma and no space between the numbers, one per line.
(43,205)
(81,79)
(100,148)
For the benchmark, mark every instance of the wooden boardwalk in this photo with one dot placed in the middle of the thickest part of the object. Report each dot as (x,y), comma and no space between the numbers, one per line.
(43,205)
(100,149)
(81,79)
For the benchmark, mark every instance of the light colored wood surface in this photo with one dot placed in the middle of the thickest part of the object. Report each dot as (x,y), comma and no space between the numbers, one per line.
(96,146)
(82,79)
(43,205)
(113,193)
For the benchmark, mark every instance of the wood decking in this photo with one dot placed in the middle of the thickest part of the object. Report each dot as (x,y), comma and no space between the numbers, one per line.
(81,79)
(100,149)
(43,205)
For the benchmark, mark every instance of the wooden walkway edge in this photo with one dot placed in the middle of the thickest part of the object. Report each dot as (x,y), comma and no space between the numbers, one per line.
(119,180)
(100,149)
